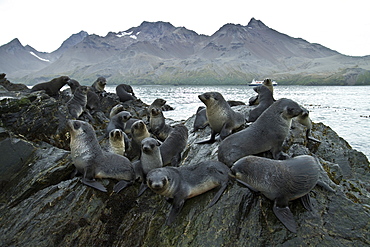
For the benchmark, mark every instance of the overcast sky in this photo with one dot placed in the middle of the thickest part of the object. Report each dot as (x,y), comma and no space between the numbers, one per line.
(341,25)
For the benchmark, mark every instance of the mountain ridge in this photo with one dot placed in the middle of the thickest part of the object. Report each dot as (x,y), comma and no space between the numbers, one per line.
(160,53)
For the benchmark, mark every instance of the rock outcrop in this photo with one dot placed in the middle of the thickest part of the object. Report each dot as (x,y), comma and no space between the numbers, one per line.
(42,205)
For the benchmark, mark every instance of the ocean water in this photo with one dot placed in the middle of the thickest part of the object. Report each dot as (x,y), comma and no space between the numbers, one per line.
(346,109)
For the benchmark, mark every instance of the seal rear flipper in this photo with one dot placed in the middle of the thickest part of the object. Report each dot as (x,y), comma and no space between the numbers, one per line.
(325,186)
(310,137)
(286,217)
(306,201)
(142,189)
(212,139)
(218,194)
(94,184)
(175,210)
(121,185)
(205,142)
(175,161)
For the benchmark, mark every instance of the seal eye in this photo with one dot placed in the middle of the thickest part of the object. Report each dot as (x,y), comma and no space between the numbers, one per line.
(76,125)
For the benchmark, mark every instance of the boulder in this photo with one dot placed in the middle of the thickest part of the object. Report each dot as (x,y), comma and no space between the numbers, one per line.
(42,205)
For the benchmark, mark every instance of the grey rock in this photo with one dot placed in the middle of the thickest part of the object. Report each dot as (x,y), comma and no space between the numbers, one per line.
(41,205)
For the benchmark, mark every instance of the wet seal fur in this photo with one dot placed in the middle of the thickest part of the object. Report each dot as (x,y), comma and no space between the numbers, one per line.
(93,100)
(221,118)
(139,132)
(173,146)
(157,103)
(265,99)
(305,120)
(118,121)
(92,162)
(99,85)
(200,121)
(77,104)
(115,109)
(157,124)
(150,159)
(267,133)
(51,87)
(181,183)
(125,92)
(280,181)
(267,83)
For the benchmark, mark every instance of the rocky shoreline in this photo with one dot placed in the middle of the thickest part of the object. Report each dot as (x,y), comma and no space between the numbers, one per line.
(41,205)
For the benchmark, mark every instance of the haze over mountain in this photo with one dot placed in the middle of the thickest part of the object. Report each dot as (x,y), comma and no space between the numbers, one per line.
(159,53)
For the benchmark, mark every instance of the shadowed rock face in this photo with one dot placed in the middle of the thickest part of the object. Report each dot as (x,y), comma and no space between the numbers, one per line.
(41,205)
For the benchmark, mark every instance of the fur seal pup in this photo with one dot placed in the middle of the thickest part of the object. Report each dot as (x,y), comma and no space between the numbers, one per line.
(99,84)
(157,124)
(117,143)
(267,83)
(118,121)
(174,144)
(181,183)
(268,132)
(77,104)
(305,120)
(92,162)
(280,181)
(51,87)
(125,92)
(73,85)
(265,99)
(221,118)
(93,100)
(116,109)
(157,103)
(200,121)
(149,160)
(139,132)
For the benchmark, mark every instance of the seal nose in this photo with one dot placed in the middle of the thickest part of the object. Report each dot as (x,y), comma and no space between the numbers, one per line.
(146,149)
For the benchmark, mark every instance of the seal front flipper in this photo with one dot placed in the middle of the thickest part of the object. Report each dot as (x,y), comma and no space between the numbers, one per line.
(286,217)
(94,184)
(121,185)
(218,194)
(247,185)
(175,210)
(142,189)
(306,201)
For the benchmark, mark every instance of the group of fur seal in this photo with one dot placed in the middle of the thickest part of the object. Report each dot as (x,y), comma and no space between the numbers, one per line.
(281,179)
(158,146)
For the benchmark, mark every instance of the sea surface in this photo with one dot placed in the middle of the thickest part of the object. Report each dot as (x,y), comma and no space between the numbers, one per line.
(345,109)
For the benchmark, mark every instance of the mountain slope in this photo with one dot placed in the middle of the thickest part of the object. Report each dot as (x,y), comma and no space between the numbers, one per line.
(158,53)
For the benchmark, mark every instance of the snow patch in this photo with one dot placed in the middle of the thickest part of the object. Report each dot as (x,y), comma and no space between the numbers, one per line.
(42,59)
(133,37)
(124,34)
